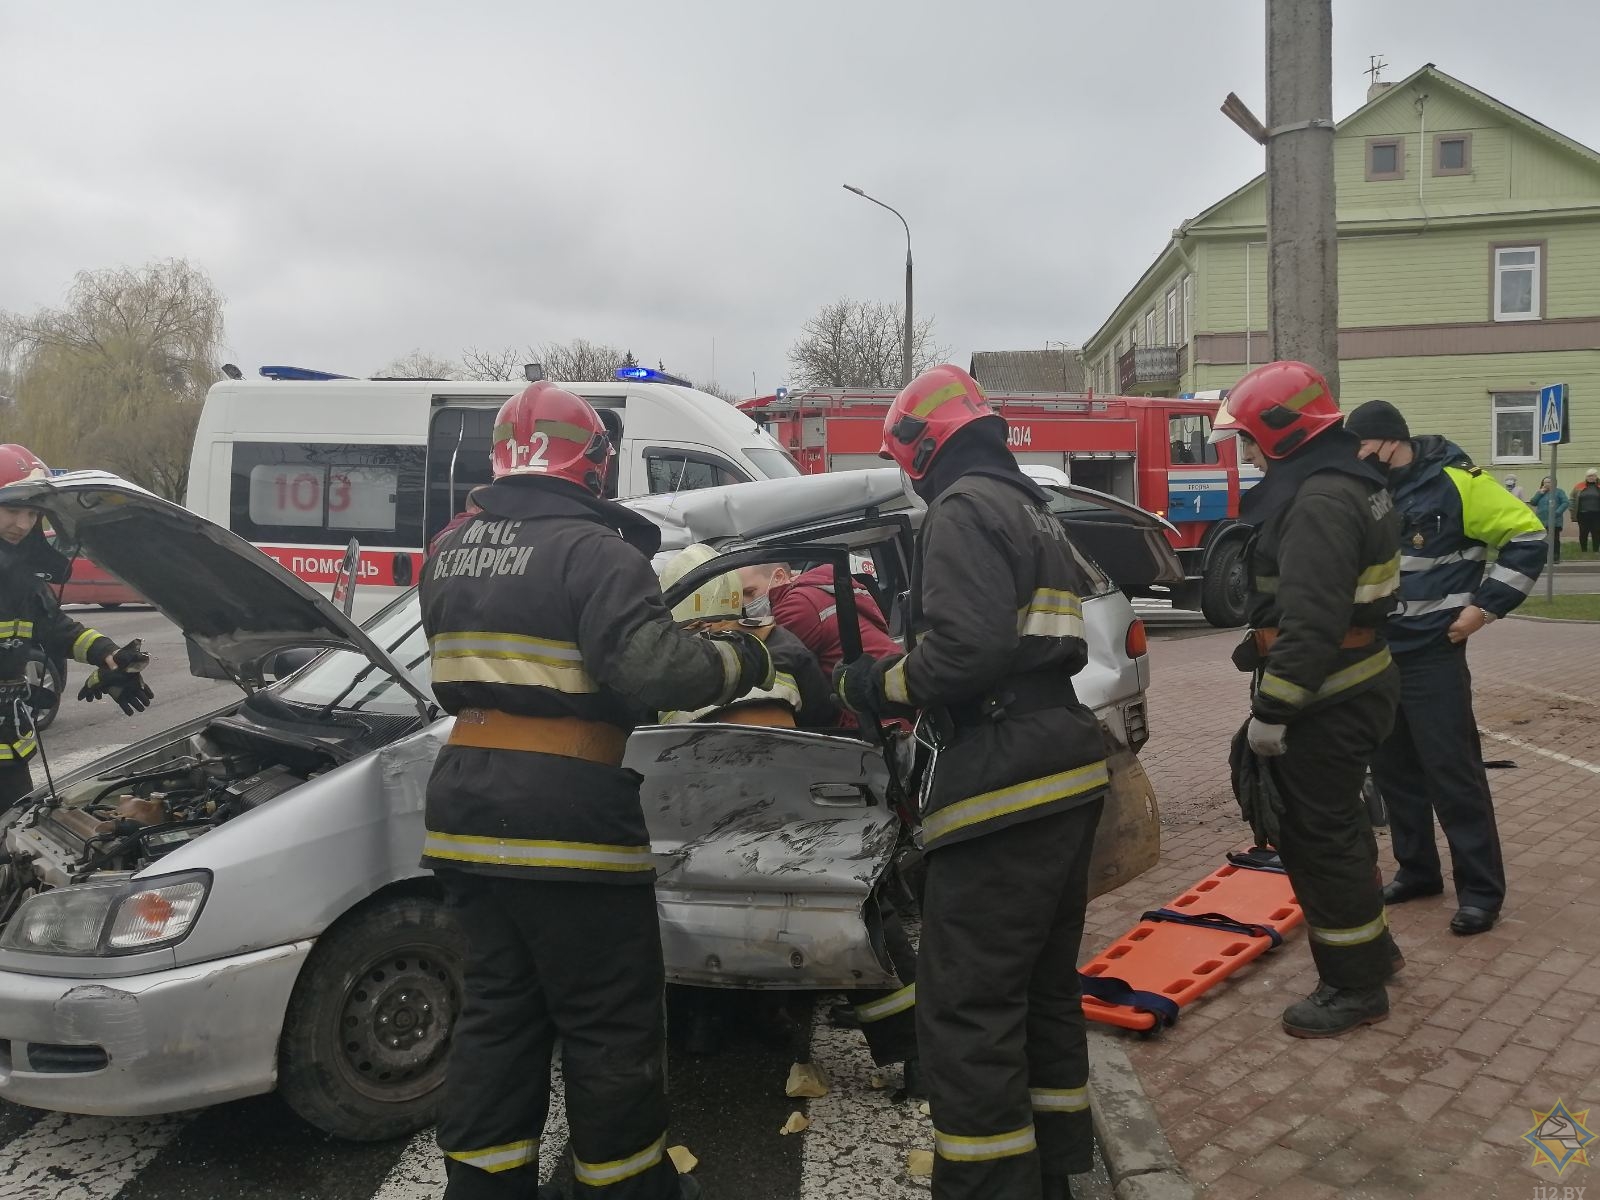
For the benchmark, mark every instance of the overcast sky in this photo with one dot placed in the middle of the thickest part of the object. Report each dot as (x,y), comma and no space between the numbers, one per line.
(363,178)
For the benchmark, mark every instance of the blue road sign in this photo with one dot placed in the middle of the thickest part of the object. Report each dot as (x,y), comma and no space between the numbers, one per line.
(1552,414)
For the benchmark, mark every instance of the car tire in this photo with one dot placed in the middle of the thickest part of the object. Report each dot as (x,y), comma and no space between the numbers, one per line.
(49,680)
(386,972)
(1225,591)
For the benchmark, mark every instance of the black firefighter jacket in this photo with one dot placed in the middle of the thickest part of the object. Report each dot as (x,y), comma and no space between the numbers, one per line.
(32,625)
(997,610)
(545,605)
(1324,560)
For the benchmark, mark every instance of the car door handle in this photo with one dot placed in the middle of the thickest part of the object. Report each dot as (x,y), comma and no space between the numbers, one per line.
(841,795)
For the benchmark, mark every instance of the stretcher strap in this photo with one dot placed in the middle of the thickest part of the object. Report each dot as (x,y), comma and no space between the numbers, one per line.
(1215,921)
(1117,991)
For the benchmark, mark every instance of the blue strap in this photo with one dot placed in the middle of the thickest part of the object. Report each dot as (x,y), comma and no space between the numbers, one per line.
(1219,921)
(1119,992)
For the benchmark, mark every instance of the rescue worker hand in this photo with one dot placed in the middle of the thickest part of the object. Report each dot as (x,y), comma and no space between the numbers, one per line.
(857,687)
(1268,740)
(1468,621)
(756,671)
(127,688)
(131,658)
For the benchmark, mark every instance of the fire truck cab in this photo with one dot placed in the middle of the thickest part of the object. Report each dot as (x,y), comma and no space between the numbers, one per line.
(1152,451)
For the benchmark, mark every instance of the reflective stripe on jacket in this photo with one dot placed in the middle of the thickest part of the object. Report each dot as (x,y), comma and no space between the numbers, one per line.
(1464,540)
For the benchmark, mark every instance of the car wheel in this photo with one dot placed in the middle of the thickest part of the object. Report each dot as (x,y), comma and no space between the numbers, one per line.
(1225,589)
(368,1028)
(110,604)
(49,681)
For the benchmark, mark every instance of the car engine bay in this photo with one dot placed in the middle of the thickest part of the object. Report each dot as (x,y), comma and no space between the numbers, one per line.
(120,822)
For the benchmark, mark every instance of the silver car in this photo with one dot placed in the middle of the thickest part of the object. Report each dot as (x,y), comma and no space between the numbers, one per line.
(234,906)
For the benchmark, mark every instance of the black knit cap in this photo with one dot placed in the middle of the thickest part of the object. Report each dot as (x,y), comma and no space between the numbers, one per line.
(1378,420)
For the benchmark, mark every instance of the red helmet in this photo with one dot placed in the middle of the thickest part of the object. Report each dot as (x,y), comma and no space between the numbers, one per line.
(18,463)
(1280,407)
(926,412)
(546,430)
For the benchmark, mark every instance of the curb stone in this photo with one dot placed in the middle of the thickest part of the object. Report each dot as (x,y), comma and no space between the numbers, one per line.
(1137,1154)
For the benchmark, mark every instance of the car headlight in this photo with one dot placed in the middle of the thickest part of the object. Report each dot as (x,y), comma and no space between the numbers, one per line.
(121,917)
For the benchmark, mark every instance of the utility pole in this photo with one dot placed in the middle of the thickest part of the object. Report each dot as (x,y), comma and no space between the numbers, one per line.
(906,338)
(1302,227)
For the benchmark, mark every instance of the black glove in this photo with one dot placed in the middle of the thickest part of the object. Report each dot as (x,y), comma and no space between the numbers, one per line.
(755,661)
(858,687)
(127,688)
(132,658)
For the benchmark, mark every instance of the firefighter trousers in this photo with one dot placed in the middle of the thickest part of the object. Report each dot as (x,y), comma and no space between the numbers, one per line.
(889,1018)
(1432,764)
(1326,841)
(546,960)
(999,1011)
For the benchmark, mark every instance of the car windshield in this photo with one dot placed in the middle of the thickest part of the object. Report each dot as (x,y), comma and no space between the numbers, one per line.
(348,680)
(774,464)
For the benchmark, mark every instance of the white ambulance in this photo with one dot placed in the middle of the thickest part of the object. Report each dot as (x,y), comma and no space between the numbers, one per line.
(301,461)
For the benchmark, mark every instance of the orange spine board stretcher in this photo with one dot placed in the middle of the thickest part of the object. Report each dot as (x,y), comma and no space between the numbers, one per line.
(1183,962)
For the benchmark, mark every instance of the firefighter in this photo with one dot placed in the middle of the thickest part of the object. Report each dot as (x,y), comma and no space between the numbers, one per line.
(550,643)
(33,628)
(800,694)
(1453,517)
(1324,570)
(1011,803)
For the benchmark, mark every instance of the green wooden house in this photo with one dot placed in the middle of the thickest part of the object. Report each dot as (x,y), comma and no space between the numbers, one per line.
(1469,277)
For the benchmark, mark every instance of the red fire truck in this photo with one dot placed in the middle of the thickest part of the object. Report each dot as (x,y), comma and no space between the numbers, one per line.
(1150,450)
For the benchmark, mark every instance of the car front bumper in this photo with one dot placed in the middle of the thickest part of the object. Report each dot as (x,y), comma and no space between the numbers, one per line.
(144,1044)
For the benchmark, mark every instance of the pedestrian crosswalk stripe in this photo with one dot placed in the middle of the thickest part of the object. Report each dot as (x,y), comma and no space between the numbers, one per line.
(68,1157)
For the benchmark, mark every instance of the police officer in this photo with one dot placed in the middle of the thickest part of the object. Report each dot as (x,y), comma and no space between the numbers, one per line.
(1012,804)
(1453,516)
(550,642)
(33,628)
(1324,570)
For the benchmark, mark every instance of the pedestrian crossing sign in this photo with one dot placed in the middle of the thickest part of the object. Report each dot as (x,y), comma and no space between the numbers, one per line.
(1553,415)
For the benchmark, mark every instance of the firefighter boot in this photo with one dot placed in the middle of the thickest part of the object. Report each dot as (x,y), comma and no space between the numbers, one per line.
(914,1088)
(1056,1187)
(1330,1011)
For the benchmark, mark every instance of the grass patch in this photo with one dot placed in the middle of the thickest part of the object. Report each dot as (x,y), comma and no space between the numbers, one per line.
(1566,608)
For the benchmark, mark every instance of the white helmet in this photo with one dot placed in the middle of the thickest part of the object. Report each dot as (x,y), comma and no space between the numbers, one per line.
(720,598)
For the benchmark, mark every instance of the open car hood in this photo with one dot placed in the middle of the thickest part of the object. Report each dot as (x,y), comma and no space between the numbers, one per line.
(228,598)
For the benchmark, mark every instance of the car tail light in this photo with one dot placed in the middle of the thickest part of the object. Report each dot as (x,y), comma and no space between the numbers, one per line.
(1137,644)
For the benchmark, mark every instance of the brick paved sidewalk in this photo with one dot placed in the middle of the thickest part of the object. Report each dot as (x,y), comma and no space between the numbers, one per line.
(1435,1100)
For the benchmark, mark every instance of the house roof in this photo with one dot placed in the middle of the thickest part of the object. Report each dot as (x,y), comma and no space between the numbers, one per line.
(1029,370)
(1427,72)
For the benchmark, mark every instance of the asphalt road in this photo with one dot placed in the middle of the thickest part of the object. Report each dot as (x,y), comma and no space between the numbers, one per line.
(727,1108)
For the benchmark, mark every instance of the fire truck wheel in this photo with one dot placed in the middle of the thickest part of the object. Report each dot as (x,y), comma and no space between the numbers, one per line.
(1225,588)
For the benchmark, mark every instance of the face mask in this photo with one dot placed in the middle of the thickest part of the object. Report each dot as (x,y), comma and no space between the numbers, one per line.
(760,608)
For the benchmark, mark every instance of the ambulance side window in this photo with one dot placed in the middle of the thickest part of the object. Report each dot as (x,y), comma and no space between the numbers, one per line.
(1188,435)
(321,493)
(668,470)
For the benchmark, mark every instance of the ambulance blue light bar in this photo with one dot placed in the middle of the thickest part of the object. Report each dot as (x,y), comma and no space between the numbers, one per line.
(650,375)
(298,374)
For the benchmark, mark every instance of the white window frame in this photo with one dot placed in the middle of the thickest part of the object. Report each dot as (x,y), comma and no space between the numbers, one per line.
(1536,292)
(1150,328)
(1188,306)
(1529,405)
(1174,317)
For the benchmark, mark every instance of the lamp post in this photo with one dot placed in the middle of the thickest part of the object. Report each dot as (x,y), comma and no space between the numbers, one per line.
(905,346)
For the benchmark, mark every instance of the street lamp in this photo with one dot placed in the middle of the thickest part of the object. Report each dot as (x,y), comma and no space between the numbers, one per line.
(905,348)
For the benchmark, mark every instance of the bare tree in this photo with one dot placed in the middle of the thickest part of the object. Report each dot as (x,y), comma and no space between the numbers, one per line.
(504,363)
(712,388)
(579,361)
(419,364)
(130,346)
(152,451)
(859,343)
